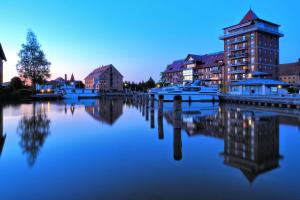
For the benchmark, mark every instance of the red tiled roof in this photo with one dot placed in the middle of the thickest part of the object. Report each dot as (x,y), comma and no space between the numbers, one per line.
(100,70)
(176,66)
(211,60)
(208,60)
(195,57)
(249,17)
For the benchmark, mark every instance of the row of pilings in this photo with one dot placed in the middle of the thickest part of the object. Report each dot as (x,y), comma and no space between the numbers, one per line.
(145,103)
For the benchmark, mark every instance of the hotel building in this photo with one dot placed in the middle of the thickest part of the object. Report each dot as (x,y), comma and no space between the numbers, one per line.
(208,68)
(173,73)
(251,48)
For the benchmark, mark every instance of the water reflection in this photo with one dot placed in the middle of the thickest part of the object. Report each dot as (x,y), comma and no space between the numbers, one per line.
(251,141)
(251,138)
(33,131)
(106,110)
(2,135)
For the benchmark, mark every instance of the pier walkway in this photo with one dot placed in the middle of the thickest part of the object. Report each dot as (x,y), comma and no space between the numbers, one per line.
(274,101)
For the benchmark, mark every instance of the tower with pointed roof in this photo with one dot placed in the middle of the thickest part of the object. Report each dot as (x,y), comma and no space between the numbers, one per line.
(2,58)
(72,79)
(251,49)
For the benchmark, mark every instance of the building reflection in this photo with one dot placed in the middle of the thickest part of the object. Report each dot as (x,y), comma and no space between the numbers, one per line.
(33,130)
(2,135)
(106,110)
(251,139)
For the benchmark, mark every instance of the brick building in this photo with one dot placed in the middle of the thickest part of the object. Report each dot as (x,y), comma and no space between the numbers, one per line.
(251,48)
(290,73)
(2,58)
(105,78)
(208,68)
(173,72)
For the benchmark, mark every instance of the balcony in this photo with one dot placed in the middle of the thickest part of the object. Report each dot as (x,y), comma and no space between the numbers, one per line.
(239,71)
(215,71)
(235,79)
(238,64)
(238,48)
(251,28)
(238,55)
(236,41)
(214,78)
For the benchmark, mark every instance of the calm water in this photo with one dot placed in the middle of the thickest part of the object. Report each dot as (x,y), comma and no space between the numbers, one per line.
(117,149)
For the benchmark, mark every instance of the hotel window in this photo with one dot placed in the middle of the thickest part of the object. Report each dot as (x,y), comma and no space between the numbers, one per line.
(244,37)
(252,59)
(252,43)
(252,35)
(252,67)
(228,41)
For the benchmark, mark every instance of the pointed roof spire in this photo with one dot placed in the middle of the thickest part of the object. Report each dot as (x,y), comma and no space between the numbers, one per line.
(249,17)
(72,78)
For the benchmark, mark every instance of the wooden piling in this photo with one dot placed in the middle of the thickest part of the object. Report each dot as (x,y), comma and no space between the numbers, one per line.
(152,125)
(160,117)
(177,143)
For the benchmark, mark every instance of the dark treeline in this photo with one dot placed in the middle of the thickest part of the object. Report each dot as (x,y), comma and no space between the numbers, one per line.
(140,86)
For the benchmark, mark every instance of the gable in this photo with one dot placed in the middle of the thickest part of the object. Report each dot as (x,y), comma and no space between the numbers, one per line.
(2,55)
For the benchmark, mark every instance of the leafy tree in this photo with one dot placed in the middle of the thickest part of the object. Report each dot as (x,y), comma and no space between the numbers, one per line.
(33,65)
(141,86)
(16,83)
(80,85)
(150,83)
(162,78)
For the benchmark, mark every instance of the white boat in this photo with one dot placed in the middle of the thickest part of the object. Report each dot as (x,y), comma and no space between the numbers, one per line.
(71,93)
(196,91)
(164,89)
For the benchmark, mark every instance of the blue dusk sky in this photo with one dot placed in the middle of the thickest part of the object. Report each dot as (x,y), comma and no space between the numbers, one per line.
(140,37)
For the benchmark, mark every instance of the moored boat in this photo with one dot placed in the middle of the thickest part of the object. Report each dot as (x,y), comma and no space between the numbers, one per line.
(196,91)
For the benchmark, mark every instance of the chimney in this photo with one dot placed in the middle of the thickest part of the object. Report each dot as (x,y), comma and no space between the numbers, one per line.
(66,78)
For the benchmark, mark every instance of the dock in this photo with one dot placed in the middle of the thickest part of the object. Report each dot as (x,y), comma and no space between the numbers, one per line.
(47,96)
(271,101)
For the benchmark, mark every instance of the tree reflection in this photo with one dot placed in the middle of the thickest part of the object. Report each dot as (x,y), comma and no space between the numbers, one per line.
(33,131)
(2,136)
